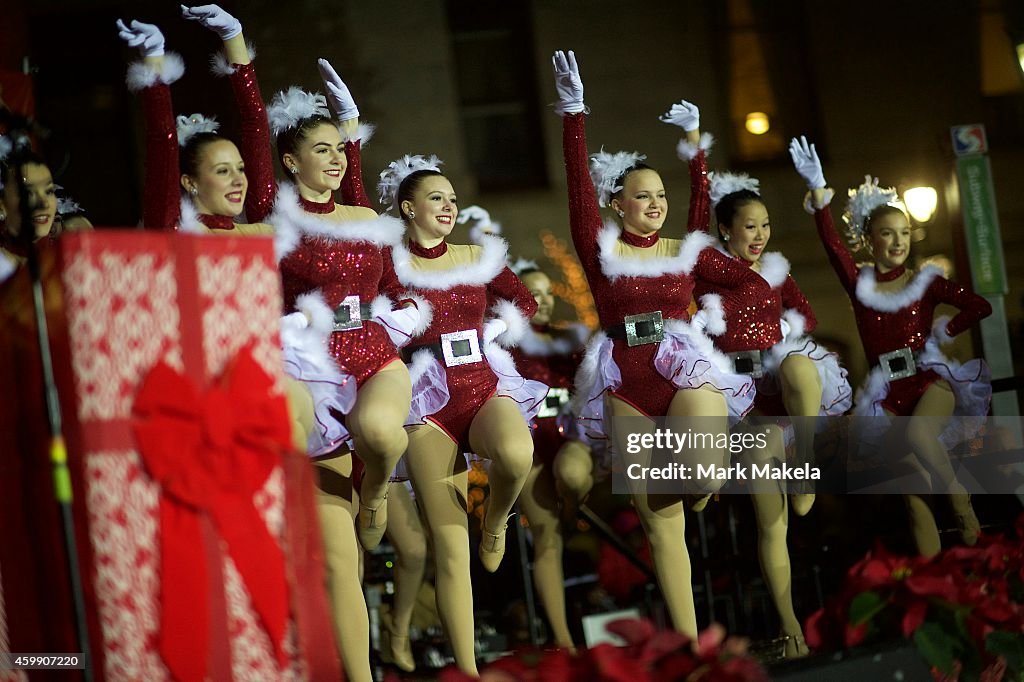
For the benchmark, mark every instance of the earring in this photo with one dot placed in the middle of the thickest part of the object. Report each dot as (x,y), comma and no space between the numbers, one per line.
(622,214)
(412,215)
(294,170)
(193,191)
(725,237)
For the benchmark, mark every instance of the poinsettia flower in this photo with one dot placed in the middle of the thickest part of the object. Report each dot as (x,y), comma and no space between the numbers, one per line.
(855,634)
(632,630)
(913,617)
(932,586)
(614,665)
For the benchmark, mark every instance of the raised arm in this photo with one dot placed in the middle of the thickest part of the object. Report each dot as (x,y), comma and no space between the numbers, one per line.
(808,165)
(584,214)
(693,148)
(255,144)
(973,308)
(353,192)
(151,77)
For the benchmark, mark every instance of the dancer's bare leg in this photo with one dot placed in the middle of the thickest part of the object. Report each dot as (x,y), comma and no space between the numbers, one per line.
(801,394)
(409,539)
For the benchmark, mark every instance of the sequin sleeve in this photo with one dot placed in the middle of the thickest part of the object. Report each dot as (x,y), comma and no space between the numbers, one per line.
(256,154)
(353,192)
(738,285)
(973,308)
(699,219)
(584,214)
(162,204)
(506,285)
(793,299)
(838,255)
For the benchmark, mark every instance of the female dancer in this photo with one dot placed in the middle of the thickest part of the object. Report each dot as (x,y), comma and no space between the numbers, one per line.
(211,171)
(42,196)
(488,399)
(894,309)
(333,268)
(649,360)
(795,375)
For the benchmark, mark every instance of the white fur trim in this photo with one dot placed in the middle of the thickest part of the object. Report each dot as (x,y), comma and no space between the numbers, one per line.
(515,321)
(291,221)
(320,315)
(614,266)
(493,251)
(810,207)
(534,344)
(939,333)
(797,323)
(381,305)
(420,362)
(141,75)
(188,220)
(362,134)
(870,296)
(714,314)
(688,151)
(774,269)
(8,266)
(219,62)
(587,373)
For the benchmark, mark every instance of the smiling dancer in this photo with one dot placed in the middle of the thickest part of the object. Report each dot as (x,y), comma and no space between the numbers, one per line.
(894,308)
(649,360)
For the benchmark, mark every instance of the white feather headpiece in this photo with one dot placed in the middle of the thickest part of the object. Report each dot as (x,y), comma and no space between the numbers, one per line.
(291,106)
(863,201)
(392,176)
(607,169)
(522,264)
(189,126)
(482,223)
(724,184)
(67,206)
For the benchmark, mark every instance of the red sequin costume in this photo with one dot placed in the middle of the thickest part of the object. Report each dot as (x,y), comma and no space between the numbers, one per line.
(164,207)
(625,282)
(473,280)
(550,356)
(889,321)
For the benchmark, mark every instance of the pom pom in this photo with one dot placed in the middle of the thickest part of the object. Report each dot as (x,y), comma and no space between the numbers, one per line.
(290,107)
(724,184)
(606,169)
(397,171)
(190,126)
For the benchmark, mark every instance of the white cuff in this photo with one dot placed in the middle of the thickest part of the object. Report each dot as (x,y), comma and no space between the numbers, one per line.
(219,62)
(141,75)
(321,316)
(515,322)
(687,151)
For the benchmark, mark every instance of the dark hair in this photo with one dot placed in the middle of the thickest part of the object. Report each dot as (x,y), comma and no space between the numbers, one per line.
(409,185)
(189,154)
(725,210)
(878,212)
(289,139)
(531,270)
(621,180)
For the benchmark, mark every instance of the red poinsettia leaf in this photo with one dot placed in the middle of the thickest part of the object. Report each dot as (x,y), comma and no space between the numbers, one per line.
(632,630)
(661,643)
(931,586)
(855,634)
(615,665)
(709,639)
(913,617)
(816,629)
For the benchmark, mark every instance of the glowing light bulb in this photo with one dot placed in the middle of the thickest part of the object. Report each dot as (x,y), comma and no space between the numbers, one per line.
(921,203)
(757,123)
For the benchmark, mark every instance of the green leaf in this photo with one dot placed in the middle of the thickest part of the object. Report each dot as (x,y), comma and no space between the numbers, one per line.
(936,646)
(866,606)
(1009,645)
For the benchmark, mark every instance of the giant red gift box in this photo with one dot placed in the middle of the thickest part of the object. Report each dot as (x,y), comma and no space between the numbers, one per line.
(118,303)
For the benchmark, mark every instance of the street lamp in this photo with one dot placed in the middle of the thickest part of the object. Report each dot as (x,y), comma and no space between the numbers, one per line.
(757,123)
(921,203)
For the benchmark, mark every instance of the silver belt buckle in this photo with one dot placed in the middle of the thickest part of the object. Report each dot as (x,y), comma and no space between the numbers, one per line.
(461,348)
(348,316)
(553,402)
(747,362)
(899,364)
(644,328)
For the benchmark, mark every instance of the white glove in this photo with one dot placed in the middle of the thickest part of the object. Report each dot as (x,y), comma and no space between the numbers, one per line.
(473,213)
(399,324)
(699,321)
(146,37)
(784,326)
(684,114)
(215,19)
(493,329)
(805,159)
(342,103)
(568,83)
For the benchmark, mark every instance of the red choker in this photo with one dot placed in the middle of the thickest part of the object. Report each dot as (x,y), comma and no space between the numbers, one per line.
(637,240)
(217,222)
(889,276)
(315,206)
(431,253)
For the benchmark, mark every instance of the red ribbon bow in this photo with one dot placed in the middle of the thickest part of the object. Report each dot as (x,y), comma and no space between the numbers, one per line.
(210,452)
